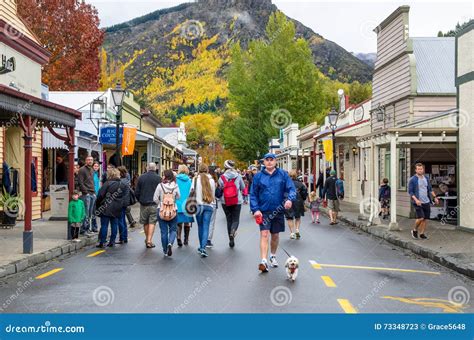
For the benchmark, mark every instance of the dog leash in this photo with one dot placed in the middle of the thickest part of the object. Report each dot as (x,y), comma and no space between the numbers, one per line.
(286,252)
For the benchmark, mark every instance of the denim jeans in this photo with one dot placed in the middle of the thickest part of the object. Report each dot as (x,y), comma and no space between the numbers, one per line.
(104,226)
(168,231)
(89,203)
(212,225)
(122,226)
(203,219)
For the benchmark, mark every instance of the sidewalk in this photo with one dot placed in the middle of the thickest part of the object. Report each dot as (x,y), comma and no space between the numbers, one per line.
(50,241)
(446,245)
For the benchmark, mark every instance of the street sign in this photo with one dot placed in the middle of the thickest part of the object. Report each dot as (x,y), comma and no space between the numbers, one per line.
(108,135)
(358,114)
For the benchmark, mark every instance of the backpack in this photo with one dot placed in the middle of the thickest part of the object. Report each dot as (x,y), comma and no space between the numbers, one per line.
(340,189)
(385,194)
(168,205)
(231,193)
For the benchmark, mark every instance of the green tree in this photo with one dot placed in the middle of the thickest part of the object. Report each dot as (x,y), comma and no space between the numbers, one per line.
(273,83)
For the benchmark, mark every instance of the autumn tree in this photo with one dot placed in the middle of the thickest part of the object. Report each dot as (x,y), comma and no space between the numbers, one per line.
(111,72)
(69,30)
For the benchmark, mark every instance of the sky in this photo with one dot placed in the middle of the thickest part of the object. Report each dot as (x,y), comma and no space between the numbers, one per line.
(348,23)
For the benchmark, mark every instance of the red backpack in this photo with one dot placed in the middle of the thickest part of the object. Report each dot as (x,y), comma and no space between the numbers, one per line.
(231,193)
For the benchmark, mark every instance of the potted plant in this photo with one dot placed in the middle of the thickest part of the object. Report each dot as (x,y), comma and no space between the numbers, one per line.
(10,206)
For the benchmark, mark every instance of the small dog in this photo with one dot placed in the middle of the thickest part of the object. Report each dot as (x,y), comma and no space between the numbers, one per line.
(291,265)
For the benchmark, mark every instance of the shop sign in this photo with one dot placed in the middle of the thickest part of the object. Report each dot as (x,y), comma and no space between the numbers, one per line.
(108,133)
(7,65)
(358,114)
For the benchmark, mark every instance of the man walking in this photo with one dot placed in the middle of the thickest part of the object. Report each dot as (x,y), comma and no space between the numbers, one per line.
(330,193)
(85,179)
(145,190)
(272,192)
(422,195)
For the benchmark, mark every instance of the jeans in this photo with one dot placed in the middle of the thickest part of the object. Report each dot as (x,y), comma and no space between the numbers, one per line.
(212,225)
(89,203)
(122,226)
(232,215)
(104,226)
(168,231)
(203,219)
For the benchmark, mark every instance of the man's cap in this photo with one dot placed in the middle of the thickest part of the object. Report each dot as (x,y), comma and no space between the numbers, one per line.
(269,155)
(229,164)
(333,173)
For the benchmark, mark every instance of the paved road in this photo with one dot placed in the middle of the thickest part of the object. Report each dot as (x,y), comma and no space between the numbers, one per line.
(133,279)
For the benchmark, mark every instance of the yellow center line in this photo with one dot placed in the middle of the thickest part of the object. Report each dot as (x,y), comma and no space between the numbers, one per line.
(347,306)
(328,281)
(96,253)
(51,272)
(316,265)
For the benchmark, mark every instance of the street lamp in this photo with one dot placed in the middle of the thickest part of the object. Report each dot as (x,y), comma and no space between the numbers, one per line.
(118,95)
(333,116)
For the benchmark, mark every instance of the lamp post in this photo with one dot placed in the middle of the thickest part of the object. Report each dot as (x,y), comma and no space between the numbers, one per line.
(118,95)
(333,116)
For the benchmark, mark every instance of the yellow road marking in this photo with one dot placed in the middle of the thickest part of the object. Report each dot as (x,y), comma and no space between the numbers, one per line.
(328,281)
(445,305)
(315,264)
(347,306)
(96,253)
(51,272)
(320,265)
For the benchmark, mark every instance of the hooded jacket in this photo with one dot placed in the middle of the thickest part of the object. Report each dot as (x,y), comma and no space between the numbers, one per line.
(184,185)
(239,182)
(110,199)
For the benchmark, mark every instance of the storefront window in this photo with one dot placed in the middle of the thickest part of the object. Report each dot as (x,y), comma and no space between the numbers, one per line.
(402,169)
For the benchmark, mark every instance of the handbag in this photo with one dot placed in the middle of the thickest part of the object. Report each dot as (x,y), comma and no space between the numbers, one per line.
(191,202)
(133,197)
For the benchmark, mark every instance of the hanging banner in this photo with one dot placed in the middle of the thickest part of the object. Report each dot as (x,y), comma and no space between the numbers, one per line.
(327,145)
(128,141)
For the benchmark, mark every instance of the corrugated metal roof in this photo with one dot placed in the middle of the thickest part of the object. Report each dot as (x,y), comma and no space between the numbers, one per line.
(435,64)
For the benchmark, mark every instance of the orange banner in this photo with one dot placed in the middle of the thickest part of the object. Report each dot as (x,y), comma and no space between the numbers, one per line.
(128,141)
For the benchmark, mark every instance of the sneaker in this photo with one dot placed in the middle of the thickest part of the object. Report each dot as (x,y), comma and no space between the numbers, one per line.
(180,243)
(423,236)
(414,234)
(231,241)
(165,254)
(273,262)
(298,235)
(318,222)
(170,251)
(209,244)
(100,245)
(292,236)
(204,253)
(110,245)
(263,266)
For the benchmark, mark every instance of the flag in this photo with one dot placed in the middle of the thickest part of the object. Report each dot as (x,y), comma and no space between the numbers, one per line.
(327,145)
(128,141)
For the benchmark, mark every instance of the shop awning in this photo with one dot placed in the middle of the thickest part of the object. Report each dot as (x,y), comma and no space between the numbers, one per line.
(13,102)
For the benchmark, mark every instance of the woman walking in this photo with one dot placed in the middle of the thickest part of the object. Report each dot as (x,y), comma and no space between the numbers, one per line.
(294,214)
(205,188)
(109,205)
(125,180)
(212,224)
(165,197)
(232,185)
(184,220)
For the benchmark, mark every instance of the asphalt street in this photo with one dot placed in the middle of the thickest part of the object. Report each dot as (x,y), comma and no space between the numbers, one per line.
(342,270)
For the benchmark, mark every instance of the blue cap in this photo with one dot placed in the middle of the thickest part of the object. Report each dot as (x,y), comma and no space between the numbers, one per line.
(270,155)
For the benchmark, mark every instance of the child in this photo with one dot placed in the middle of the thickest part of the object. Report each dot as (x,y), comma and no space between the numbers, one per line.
(76,214)
(245,192)
(314,204)
(384,198)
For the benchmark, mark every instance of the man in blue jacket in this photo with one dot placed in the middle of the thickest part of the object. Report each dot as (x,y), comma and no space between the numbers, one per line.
(421,194)
(272,192)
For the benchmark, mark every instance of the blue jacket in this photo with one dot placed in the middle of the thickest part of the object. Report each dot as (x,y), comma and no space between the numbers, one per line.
(413,188)
(184,185)
(269,192)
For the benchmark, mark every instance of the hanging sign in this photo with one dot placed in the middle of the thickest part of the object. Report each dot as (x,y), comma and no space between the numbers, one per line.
(128,141)
(7,65)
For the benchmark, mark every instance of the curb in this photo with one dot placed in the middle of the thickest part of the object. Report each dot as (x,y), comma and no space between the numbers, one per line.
(381,232)
(45,256)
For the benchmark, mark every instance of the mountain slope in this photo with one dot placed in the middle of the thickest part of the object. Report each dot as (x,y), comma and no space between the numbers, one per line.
(176,57)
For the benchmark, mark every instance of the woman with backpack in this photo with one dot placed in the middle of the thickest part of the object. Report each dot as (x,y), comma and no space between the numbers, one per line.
(232,185)
(109,206)
(184,220)
(294,214)
(165,197)
(204,188)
